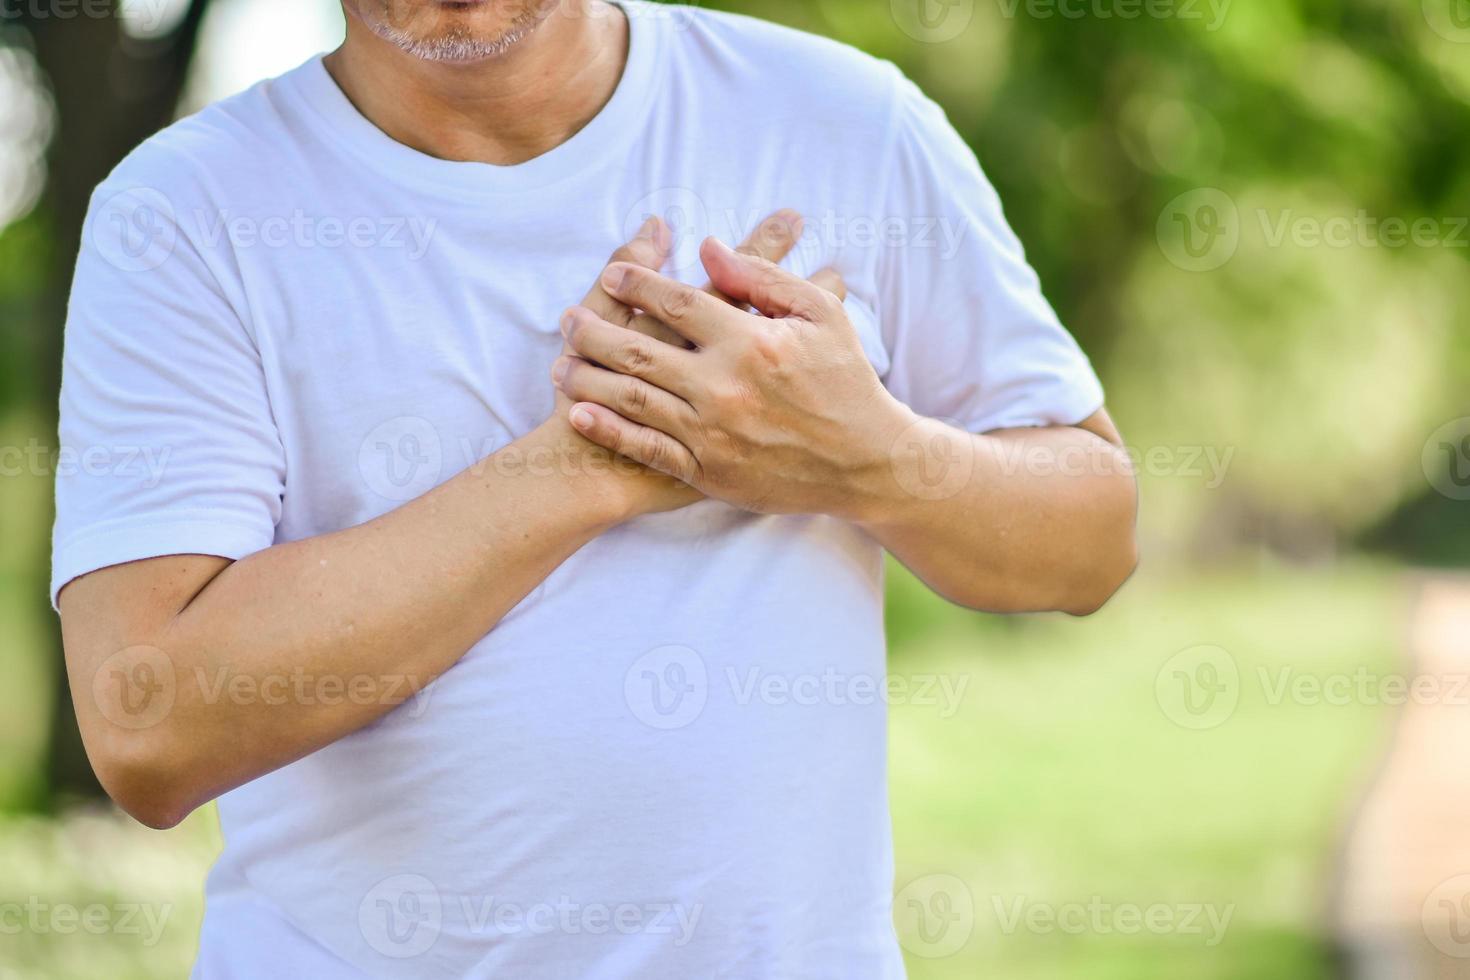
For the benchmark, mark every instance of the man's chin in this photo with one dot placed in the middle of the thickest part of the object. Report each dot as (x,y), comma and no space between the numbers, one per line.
(459,47)
(459,35)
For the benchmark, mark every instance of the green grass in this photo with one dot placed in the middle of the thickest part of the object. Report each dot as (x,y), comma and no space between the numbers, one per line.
(1055,781)
(1062,777)
(97,895)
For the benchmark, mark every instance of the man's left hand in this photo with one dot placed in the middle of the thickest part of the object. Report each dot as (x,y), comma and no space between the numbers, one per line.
(775,411)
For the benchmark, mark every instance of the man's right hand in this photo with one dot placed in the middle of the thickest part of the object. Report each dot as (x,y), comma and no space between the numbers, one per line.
(649,492)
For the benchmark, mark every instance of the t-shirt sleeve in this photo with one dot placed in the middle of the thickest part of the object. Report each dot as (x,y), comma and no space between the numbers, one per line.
(167,441)
(972,339)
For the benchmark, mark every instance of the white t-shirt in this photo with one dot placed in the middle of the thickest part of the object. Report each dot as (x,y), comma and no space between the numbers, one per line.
(668,761)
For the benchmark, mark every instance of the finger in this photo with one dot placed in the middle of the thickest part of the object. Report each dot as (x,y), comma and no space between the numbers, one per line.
(770,289)
(629,352)
(647,325)
(649,248)
(633,398)
(692,313)
(831,280)
(772,240)
(654,327)
(654,449)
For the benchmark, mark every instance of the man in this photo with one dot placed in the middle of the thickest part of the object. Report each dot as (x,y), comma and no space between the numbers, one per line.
(327,308)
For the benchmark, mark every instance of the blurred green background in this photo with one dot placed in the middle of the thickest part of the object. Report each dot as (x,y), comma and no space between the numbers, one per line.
(1253,216)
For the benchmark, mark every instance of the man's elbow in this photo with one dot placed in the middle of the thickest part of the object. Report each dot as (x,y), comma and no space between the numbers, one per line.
(143,776)
(1110,555)
(1104,579)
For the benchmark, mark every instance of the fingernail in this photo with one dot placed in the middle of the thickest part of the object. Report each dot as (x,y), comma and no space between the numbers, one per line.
(646,231)
(566,322)
(613,278)
(581,418)
(559,369)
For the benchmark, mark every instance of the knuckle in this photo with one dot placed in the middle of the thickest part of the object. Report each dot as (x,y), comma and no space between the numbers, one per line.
(728,401)
(770,347)
(654,452)
(814,305)
(632,398)
(633,356)
(679,304)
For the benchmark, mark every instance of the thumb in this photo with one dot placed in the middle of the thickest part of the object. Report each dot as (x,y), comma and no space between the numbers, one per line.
(751,280)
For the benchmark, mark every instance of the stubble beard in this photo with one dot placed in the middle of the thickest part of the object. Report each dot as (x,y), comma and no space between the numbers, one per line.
(459,44)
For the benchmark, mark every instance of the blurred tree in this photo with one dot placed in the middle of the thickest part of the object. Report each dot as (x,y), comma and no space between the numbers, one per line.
(114,83)
(1317,368)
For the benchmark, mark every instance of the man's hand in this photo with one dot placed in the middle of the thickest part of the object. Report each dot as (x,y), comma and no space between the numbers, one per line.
(774,411)
(779,411)
(770,242)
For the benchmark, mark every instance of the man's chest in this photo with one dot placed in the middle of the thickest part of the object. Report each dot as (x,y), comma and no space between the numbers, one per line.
(400,356)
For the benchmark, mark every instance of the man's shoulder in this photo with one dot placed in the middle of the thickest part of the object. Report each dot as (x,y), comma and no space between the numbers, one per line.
(217,150)
(796,70)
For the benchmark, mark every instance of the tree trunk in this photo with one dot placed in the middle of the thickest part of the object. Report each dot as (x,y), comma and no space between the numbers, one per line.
(111,92)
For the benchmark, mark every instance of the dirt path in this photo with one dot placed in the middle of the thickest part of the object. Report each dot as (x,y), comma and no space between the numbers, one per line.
(1403,910)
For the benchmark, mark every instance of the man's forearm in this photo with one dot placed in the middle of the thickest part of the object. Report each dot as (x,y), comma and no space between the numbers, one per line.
(1022,520)
(378,610)
(780,411)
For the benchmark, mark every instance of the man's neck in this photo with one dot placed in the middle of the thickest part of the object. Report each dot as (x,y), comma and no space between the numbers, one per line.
(504,110)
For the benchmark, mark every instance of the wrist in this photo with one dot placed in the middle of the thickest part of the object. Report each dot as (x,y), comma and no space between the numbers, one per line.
(605,486)
(925,461)
(873,488)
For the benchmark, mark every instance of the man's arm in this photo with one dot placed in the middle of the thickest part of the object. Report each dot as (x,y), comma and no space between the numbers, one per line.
(365,617)
(390,604)
(781,412)
(1043,518)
